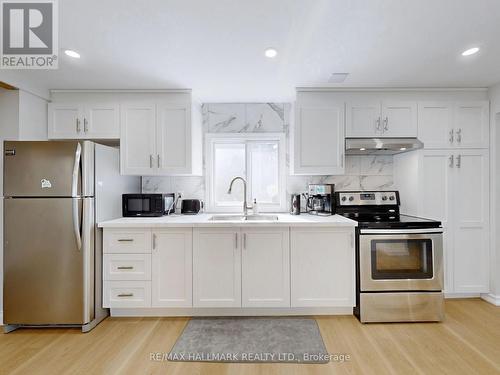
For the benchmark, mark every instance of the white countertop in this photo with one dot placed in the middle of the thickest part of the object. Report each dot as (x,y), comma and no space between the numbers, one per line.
(203,220)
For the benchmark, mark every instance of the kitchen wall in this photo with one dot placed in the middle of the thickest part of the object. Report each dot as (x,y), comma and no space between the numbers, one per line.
(494,95)
(362,172)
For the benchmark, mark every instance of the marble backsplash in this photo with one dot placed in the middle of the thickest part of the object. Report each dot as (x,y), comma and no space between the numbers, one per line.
(362,172)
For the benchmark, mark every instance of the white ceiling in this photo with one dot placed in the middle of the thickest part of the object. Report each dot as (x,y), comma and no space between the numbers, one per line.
(216,47)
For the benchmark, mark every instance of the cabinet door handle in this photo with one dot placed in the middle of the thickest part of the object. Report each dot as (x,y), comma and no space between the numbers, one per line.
(459,161)
(154,241)
(377,127)
(150,161)
(386,123)
(451,160)
(342,157)
(459,135)
(125,267)
(452,135)
(85,123)
(125,239)
(126,295)
(78,125)
(158,159)
(244,241)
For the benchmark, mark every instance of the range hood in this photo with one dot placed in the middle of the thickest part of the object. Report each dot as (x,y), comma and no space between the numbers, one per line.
(381,146)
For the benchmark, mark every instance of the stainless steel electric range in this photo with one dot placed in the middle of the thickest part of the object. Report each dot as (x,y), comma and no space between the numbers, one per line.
(399,259)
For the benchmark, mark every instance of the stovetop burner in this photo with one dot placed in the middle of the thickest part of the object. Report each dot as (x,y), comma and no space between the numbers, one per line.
(378,210)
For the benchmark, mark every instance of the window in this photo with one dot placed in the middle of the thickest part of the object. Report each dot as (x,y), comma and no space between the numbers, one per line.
(258,158)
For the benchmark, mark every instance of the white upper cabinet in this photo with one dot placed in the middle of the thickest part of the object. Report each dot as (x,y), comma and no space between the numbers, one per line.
(399,119)
(81,120)
(102,120)
(363,119)
(366,119)
(65,120)
(137,145)
(160,133)
(453,125)
(173,139)
(471,124)
(435,124)
(265,263)
(319,142)
(168,139)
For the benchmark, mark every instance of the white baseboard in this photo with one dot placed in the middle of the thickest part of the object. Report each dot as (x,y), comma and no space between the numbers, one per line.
(461,295)
(231,311)
(491,298)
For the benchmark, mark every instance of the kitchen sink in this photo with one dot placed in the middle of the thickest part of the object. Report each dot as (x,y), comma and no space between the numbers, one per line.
(261,218)
(244,218)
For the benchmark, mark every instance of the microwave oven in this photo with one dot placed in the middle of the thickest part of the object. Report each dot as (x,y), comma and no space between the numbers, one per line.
(147,205)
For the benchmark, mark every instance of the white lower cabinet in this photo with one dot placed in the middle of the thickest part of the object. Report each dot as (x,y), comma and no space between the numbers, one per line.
(216,267)
(322,267)
(471,222)
(126,294)
(265,263)
(228,267)
(172,266)
(128,240)
(453,188)
(127,267)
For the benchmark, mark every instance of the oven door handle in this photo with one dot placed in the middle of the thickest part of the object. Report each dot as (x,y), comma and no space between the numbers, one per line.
(401,231)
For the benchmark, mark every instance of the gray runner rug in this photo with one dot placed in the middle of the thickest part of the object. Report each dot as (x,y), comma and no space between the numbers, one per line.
(296,340)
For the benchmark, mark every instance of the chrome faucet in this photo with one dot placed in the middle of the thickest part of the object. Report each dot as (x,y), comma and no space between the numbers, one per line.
(246,207)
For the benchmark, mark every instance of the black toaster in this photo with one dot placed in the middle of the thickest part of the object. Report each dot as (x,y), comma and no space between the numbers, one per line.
(191,206)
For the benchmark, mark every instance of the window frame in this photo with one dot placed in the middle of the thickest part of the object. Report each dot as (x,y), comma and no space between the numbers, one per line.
(211,139)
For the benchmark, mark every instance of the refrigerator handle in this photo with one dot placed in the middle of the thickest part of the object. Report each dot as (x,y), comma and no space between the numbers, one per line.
(76,170)
(76,223)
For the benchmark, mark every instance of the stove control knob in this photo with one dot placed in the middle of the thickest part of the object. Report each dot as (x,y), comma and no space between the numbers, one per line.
(351,198)
(384,198)
(344,198)
(391,197)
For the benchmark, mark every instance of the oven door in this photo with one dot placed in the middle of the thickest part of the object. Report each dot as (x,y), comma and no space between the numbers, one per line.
(396,260)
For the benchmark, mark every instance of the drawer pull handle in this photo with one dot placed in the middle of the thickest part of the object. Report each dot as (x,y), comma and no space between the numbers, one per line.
(125,267)
(126,295)
(125,240)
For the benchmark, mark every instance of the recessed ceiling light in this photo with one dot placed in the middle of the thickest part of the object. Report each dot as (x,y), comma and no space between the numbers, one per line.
(338,77)
(271,53)
(362,149)
(402,149)
(470,51)
(72,54)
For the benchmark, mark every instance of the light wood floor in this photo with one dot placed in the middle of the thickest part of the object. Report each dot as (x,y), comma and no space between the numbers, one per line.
(468,342)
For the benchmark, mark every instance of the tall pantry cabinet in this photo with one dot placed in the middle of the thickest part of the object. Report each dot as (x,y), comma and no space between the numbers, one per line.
(449,181)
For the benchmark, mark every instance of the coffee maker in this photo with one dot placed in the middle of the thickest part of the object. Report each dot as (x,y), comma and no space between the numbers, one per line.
(320,200)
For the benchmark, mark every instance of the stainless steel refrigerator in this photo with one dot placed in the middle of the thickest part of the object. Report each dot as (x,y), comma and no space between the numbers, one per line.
(54,194)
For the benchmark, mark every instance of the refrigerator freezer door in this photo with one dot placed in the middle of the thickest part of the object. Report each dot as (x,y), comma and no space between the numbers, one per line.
(46,275)
(48,169)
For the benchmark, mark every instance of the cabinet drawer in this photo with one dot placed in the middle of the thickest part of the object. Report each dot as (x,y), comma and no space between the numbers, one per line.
(127,267)
(127,294)
(127,241)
